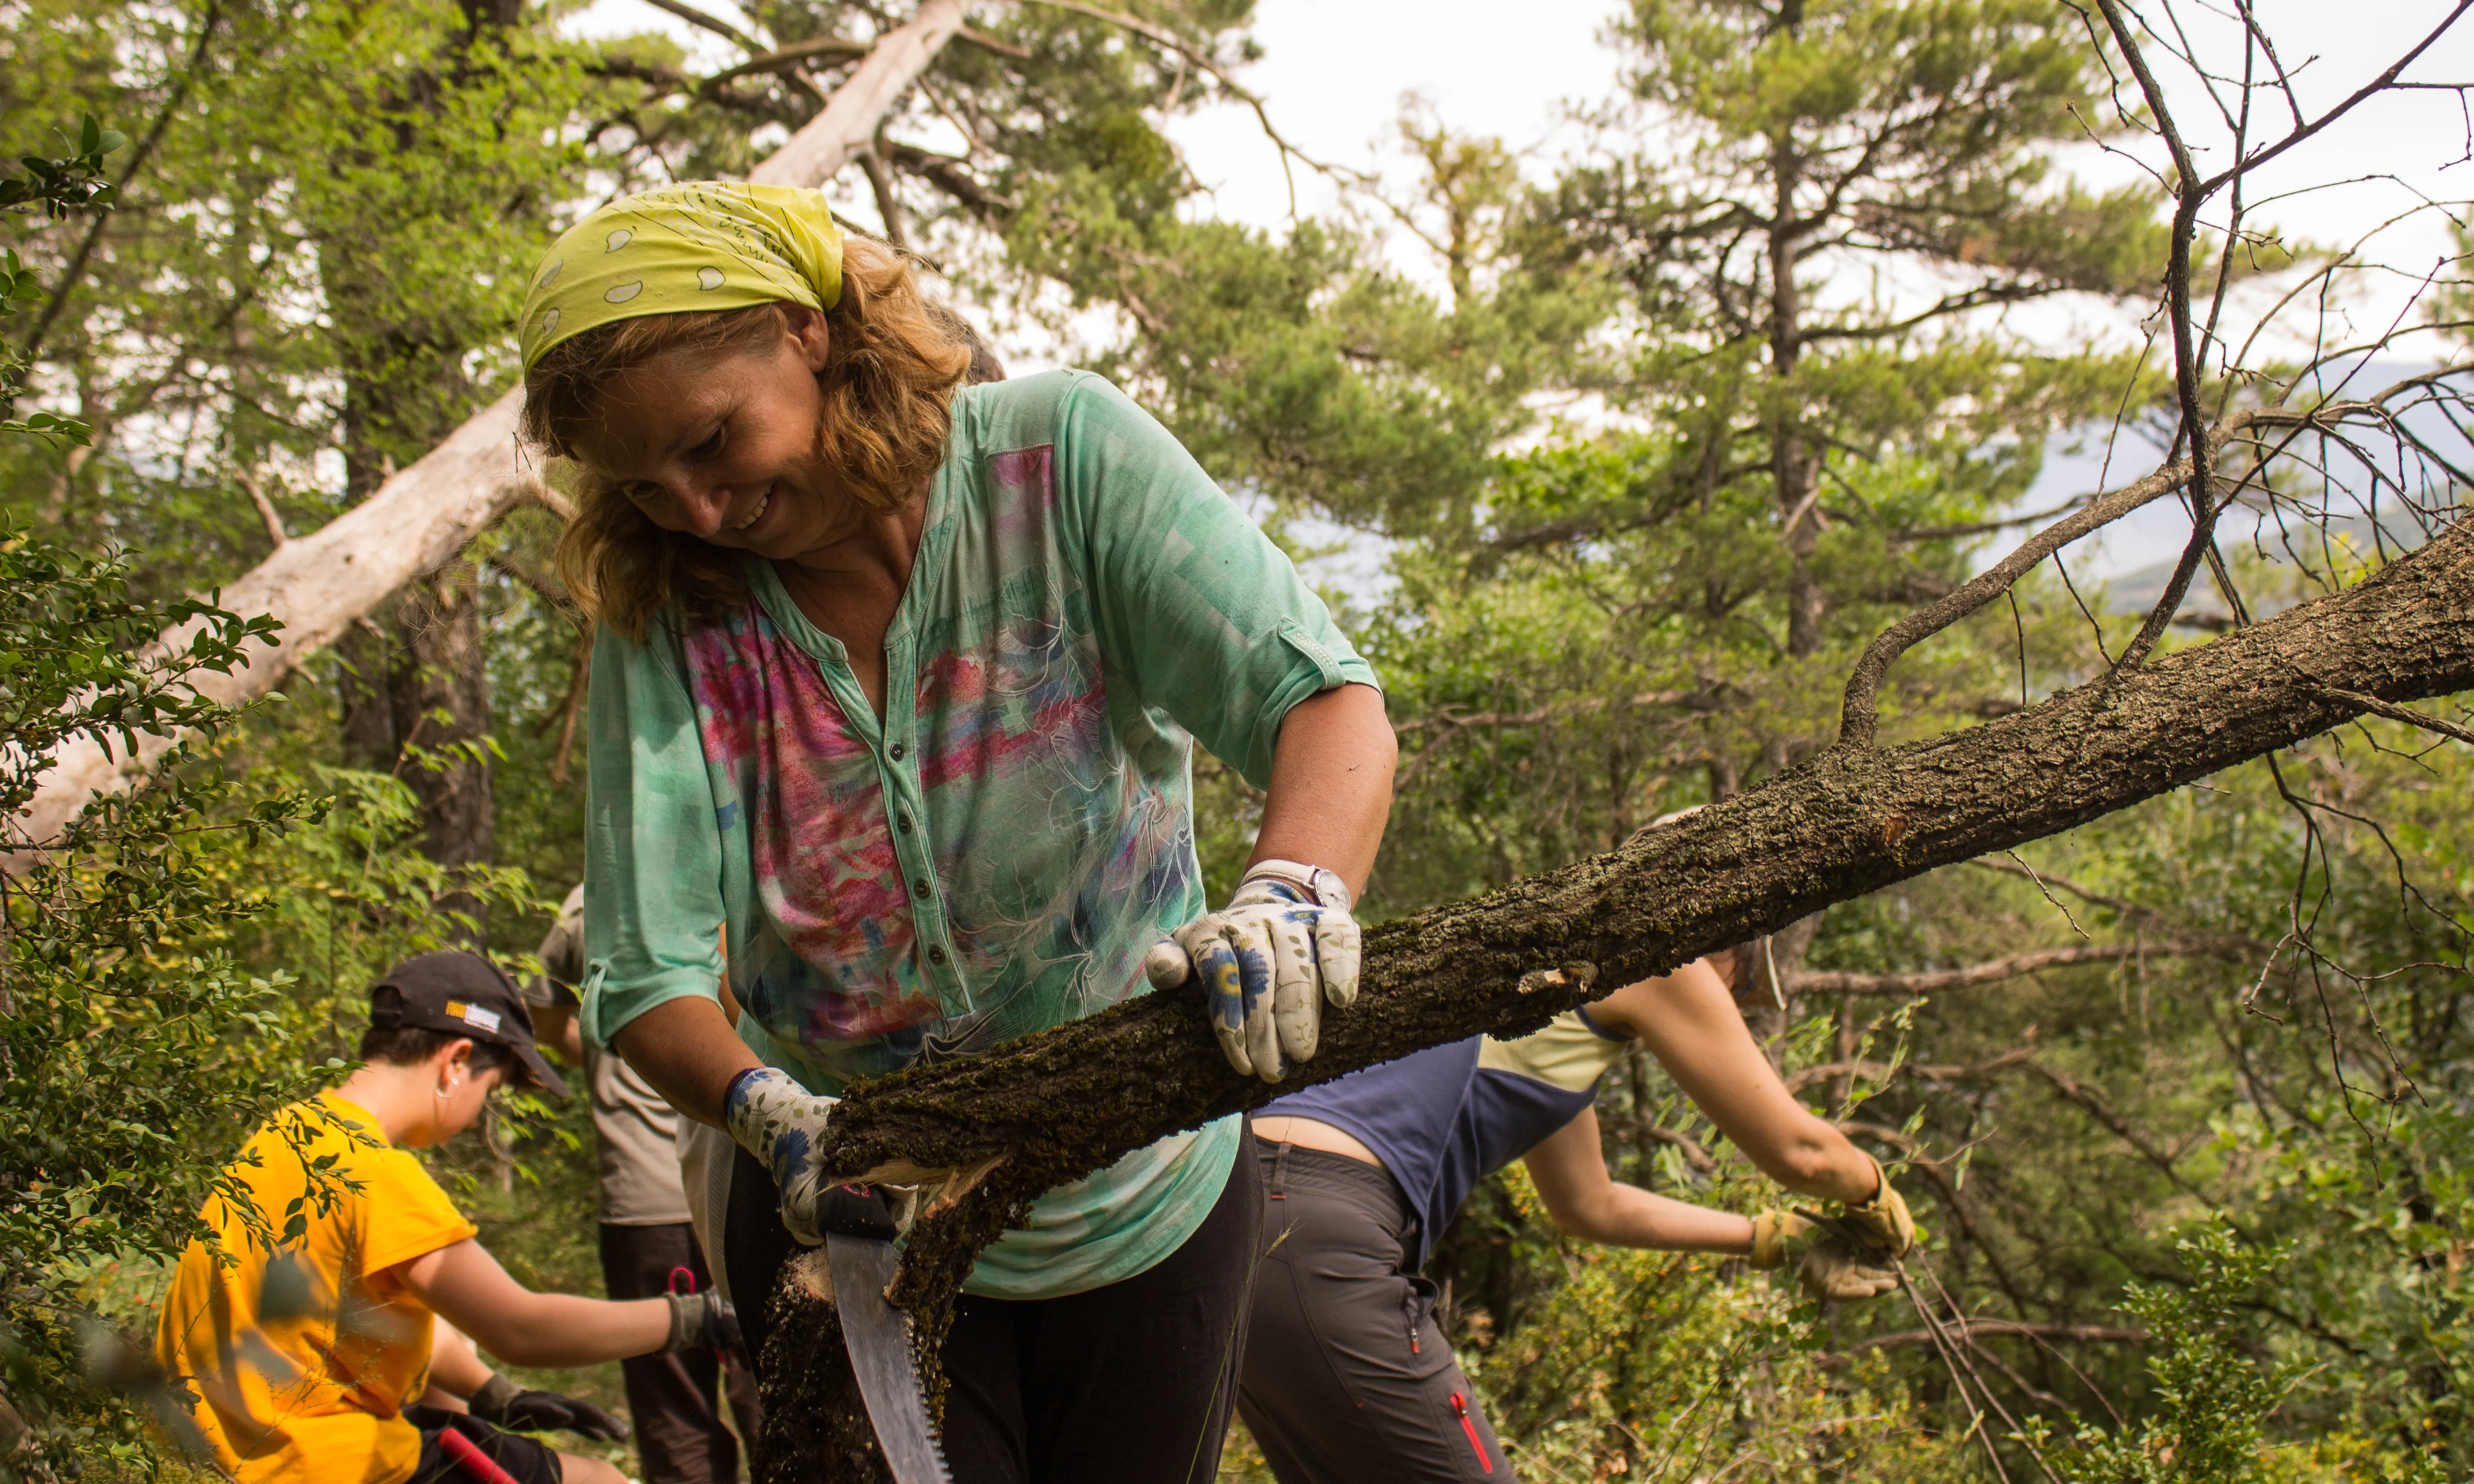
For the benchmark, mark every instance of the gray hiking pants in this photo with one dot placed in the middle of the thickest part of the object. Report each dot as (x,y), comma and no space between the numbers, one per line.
(1347,1378)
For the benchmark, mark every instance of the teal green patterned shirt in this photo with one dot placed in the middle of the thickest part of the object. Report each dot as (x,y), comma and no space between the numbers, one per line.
(996,857)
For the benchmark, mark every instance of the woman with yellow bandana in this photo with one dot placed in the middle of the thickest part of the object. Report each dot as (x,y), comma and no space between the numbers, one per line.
(895,692)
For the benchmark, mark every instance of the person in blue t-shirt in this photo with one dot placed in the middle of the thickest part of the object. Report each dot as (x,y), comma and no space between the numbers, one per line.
(1347,1375)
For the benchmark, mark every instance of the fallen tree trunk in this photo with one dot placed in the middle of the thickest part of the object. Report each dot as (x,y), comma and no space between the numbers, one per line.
(319,585)
(1055,1106)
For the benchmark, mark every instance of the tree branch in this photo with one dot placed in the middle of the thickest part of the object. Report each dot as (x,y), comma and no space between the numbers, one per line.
(850,118)
(707,22)
(2189,194)
(952,175)
(1976,975)
(1053,1106)
(2072,1091)
(266,510)
(1884,1071)
(2267,151)
(1460,720)
(1970,1328)
(1858,721)
(839,48)
(2405,713)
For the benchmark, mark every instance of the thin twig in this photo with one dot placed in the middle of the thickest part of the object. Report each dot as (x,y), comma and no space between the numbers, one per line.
(76,268)
(2049,895)
(266,511)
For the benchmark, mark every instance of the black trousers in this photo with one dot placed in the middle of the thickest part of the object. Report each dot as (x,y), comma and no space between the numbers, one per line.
(1347,1378)
(673,1400)
(1132,1383)
(528,1459)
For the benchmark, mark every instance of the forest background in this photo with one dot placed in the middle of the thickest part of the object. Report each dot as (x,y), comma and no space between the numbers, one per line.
(1613,455)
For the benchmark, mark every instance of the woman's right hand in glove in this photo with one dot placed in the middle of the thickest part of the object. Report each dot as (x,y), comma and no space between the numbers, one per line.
(783,1125)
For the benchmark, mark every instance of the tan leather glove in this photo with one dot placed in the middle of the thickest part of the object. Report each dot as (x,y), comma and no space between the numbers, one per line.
(1826,1266)
(1881,1223)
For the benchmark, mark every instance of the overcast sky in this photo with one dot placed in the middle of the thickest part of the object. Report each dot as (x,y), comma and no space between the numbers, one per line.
(1334,72)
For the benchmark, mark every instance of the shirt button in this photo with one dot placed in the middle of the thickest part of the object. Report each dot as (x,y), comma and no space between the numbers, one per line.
(919,887)
(896,750)
(937,954)
(902,822)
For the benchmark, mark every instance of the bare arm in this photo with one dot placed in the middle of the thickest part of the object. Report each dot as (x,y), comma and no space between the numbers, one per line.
(1331,784)
(555,1027)
(1689,1022)
(1570,1173)
(456,1370)
(465,1285)
(689,1051)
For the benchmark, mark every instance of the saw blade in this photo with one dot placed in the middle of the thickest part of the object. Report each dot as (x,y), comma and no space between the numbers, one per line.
(882,1356)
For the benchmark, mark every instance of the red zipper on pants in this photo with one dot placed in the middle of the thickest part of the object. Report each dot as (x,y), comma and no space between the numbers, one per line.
(1460,1409)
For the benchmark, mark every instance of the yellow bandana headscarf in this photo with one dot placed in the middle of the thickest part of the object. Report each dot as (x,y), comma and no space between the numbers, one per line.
(705,244)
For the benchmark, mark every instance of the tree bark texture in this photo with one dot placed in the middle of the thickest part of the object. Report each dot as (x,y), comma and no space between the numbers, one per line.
(817,1425)
(424,515)
(439,687)
(403,382)
(415,691)
(1055,1106)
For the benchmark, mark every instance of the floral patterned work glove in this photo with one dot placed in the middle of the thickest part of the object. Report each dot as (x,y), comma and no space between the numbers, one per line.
(1826,1265)
(783,1125)
(1268,961)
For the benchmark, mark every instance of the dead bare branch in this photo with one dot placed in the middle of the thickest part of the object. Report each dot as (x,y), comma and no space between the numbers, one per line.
(1976,975)
(1970,1328)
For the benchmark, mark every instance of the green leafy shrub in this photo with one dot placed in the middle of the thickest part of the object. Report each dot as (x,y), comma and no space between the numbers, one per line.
(125,1037)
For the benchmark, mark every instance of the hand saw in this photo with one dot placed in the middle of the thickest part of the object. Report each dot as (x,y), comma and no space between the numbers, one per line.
(858,1247)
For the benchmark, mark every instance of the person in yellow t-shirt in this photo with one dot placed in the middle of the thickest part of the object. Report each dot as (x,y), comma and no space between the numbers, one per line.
(318,1358)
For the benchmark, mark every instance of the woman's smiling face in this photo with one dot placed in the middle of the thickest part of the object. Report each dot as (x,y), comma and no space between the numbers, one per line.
(724,448)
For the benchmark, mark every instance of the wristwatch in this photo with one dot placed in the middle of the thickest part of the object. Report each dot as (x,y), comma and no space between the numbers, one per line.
(1323,885)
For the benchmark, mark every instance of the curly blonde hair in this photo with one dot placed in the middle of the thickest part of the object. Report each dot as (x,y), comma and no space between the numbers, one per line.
(893,363)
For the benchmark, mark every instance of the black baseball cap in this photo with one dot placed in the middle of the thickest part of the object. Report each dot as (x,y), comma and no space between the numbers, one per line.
(462,994)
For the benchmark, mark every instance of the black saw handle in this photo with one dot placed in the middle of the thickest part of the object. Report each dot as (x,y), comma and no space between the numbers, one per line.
(857,1210)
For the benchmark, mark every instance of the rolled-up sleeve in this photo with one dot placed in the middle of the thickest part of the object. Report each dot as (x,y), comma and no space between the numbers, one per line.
(653,904)
(1210,620)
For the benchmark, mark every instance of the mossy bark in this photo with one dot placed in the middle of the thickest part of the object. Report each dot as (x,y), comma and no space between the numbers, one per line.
(815,1422)
(1055,1106)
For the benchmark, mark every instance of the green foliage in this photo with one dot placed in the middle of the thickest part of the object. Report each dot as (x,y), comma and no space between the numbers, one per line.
(58,185)
(2211,1398)
(128,1040)
(1654,445)
(74,180)
(330,216)
(1664,1366)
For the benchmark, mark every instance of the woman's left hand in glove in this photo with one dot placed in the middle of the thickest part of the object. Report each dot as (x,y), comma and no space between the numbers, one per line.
(502,1403)
(1827,1266)
(1283,945)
